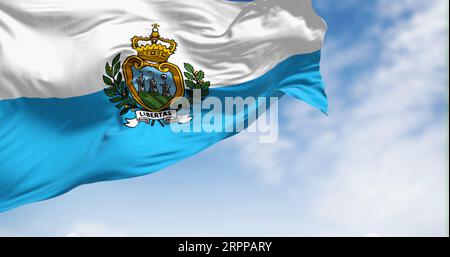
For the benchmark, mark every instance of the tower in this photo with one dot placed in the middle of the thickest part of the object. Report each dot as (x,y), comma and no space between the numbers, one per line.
(165,86)
(141,83)
(152,83)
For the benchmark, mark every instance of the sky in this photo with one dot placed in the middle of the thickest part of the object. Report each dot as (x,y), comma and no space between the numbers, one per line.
(377,165)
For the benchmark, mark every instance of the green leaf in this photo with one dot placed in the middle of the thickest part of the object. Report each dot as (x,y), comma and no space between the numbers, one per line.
(119,89)
(189,76)
(124,111)
(124,90)
(116,68)
(107,81)
(205,84)
(116,87)
(132,102)
(108,70)
(189,67)
(190,83)
(119,78)
(116,59)
(200,75)
(123,87)
(205,92)
(109,92)
(116,99)
(119,105)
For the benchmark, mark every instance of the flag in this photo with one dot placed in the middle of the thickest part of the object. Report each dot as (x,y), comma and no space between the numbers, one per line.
(102,90)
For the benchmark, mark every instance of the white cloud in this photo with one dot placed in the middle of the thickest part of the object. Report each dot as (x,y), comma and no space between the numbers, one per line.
(376,165)
(264,158)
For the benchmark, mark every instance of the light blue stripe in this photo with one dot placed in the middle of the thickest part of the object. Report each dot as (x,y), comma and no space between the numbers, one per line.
(49,146)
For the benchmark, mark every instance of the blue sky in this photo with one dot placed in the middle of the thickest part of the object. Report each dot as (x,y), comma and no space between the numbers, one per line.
(377,165)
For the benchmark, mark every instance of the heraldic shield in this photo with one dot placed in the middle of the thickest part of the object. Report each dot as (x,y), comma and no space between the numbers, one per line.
(153,81)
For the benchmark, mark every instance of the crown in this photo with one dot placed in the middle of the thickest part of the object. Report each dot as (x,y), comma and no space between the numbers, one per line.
(154,52)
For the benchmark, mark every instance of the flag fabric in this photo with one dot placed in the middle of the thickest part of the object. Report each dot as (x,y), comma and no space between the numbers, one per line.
(88,88)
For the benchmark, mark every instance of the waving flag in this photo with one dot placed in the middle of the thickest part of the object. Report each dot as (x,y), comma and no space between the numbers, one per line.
(106,89)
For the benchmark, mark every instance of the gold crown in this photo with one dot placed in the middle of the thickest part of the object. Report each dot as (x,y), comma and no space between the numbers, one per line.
(154,52)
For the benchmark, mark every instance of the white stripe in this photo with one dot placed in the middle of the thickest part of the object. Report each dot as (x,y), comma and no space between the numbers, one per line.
(58,48)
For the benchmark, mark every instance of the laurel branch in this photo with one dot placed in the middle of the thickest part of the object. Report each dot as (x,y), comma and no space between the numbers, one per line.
(117,91)
(195,80)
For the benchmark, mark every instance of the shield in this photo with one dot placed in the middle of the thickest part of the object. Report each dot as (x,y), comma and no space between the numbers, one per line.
(153,85)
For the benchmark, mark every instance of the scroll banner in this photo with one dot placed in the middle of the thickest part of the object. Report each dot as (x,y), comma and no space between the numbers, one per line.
(169,116)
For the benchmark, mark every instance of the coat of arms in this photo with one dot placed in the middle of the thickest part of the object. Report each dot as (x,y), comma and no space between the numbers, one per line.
(149,84)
